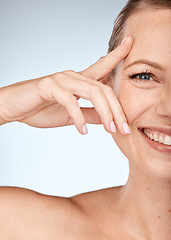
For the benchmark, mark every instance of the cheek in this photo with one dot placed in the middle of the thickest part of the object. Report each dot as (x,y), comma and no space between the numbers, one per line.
(130,102)
(137,105)
(135,102)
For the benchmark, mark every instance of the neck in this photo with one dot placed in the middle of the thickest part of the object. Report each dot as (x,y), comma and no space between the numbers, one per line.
(149,201)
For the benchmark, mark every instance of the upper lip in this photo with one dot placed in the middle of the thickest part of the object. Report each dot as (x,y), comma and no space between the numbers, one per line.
(158,129)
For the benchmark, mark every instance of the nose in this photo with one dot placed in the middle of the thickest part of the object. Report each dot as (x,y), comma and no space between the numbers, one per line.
(164,105)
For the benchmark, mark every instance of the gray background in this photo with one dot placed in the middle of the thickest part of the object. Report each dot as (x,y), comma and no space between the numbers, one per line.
(38,38)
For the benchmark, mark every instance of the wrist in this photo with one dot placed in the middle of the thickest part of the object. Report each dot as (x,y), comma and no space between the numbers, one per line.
(2,121)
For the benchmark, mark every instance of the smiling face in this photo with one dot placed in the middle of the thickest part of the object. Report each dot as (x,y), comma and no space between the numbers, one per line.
(146,98)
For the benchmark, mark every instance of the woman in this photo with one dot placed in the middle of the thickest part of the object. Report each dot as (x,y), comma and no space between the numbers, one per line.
(130,89)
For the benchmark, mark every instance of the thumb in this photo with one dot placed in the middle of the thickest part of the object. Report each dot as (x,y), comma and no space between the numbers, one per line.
(91,115)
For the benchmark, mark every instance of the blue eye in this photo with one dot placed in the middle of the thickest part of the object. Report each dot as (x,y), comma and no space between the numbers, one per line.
(144,76)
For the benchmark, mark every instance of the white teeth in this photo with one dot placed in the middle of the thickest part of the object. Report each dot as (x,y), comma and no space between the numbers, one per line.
(157,137)
(161,139)
(151,136)
(167,140)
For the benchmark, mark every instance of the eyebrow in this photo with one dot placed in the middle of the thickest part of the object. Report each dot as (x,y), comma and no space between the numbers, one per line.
(147,62)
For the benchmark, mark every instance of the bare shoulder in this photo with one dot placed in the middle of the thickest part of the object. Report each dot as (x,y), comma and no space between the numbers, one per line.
(13,201)
(96,199)
(23,212)
(27,214)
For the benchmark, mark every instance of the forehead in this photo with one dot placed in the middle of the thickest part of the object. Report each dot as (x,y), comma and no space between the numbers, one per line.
(151,31)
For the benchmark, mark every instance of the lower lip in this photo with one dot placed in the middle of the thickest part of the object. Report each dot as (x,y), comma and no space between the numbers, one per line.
(156,145)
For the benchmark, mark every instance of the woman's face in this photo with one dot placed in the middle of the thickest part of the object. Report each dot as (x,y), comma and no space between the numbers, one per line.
(146,98)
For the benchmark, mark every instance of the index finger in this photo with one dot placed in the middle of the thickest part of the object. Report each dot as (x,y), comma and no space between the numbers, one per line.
(106,64)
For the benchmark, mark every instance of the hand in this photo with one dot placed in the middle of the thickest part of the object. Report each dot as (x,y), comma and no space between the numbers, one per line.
(52,101)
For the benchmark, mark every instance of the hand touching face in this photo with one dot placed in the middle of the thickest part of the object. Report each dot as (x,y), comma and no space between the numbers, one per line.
(143,87)
(52,101)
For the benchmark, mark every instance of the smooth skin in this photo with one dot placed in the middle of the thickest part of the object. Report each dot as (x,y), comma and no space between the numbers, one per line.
(52,101)
(141,209)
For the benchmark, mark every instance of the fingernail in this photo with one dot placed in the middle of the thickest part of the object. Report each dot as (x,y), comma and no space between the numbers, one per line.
(126,128)
(112,126)
(84,129)
(124,39)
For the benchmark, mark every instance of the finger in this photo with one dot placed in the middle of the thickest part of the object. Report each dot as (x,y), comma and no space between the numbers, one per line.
(50,90)
(91,116)
(106,64)
(116,109)
(93,92)
(72,107)
(118,114)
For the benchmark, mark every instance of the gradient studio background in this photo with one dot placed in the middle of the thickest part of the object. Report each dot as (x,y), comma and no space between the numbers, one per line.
(41,37)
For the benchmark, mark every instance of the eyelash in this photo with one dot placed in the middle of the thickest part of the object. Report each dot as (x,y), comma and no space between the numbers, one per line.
(135,75)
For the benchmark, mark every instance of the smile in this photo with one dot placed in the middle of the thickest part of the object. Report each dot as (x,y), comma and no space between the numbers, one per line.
(158,137)
(158,140)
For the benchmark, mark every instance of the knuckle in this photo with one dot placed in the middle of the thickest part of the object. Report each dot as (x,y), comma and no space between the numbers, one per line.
(108,89)
(70,100)
(101,58)
(59,76)
(45,82)
(96,89)
(95,77)
(48,80)
(74,100)
(68,72)
(81,73)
